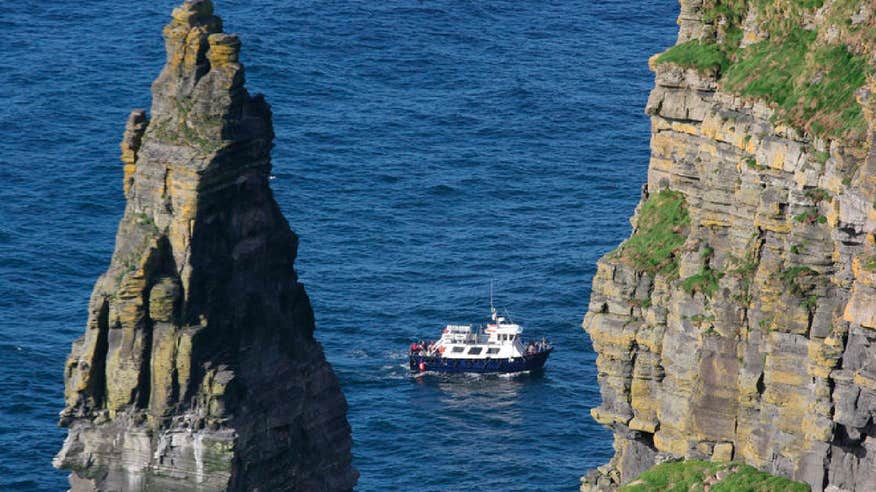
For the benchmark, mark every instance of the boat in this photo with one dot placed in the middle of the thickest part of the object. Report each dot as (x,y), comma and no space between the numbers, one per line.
(495,347)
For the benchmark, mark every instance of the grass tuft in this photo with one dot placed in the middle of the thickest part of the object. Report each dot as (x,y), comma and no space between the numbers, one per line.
(691,475)
(812,88)
(660,231)
(705,281)
(795,277)
(809,81)
(696,54)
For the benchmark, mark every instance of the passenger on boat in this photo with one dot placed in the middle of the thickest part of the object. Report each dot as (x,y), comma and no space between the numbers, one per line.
(418,348)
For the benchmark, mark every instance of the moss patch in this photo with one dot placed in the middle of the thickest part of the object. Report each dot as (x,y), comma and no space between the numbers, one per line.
(812,87)
(744,269)
(811,82)
(797,279)
(692,476)
(660,231)
(696,54)
(705,281)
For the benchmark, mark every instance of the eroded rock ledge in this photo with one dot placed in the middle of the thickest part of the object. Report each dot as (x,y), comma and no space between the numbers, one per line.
(739,320)
(198,369)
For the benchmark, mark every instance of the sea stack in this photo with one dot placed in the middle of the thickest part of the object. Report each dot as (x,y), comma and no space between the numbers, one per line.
(738,322)
(198,369)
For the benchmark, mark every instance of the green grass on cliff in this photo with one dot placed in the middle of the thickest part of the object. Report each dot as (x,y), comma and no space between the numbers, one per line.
(812,87)
(811,82)
(780,62)
(693,475)
(660,231)
(732,10)
(696,54)
(705,281)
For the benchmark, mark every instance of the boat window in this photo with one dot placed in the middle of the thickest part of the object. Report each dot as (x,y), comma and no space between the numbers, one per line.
(492,350)
(475,350)
(458,349)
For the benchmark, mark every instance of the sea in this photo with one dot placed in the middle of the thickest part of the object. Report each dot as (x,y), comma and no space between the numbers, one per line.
(424,149)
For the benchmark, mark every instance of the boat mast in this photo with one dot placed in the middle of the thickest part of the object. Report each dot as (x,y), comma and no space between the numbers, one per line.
(492,308)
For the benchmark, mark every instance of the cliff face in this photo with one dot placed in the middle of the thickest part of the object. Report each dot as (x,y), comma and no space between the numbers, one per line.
(198,369)
(739,320)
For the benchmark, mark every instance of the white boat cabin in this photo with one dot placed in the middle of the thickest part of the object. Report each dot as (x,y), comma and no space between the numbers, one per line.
(497,340)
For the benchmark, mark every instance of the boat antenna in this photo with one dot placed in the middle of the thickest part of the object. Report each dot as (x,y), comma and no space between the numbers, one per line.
(492,308)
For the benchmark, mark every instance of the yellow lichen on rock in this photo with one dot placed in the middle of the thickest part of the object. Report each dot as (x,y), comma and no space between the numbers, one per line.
(153,391)
(224,49)
(758,346)
(723,452)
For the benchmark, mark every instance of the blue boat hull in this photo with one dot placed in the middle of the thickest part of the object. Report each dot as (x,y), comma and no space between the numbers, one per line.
(531,362)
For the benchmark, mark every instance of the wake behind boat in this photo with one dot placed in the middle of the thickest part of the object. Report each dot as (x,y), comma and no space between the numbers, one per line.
(496,347)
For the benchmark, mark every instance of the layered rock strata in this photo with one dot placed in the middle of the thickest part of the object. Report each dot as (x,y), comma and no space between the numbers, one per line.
(199,369)
(751,334)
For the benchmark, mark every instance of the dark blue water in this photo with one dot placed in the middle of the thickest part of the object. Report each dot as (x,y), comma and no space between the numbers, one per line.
(423,148)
